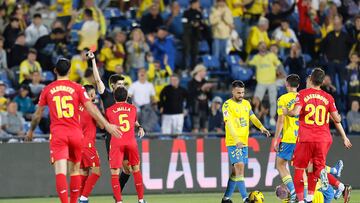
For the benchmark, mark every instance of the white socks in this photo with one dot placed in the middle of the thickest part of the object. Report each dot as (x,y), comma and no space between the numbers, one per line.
(82,198)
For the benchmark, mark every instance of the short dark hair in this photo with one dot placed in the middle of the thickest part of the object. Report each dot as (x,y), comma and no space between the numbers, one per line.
(32,51)
(58,31)
(88,12)
(114,78)
(317,76)
(89,87)
(238,83)
(293,80)
(37,15)
(62,66)
(120,94)
(88,72)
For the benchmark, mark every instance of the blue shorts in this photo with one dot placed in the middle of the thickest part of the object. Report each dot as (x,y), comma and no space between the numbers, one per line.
(286,151)
(328,194)
(238,155)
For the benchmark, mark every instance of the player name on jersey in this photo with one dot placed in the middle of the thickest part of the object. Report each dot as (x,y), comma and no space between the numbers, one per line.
(316,96)
(62,88)
(119,109)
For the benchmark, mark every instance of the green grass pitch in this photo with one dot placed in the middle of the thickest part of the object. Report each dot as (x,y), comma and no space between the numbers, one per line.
(171,198)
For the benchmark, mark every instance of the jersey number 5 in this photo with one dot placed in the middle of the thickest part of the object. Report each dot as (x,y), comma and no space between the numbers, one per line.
(319,112)
(124,122)
(63,108)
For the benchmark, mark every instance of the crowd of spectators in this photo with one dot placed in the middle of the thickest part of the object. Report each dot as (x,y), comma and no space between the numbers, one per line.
(178,57)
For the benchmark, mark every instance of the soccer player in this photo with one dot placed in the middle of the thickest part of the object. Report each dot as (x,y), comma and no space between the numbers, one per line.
(314,108)
(288,126)
(108,100)
(124,114)
(237,116)
(64,98)
(90,160)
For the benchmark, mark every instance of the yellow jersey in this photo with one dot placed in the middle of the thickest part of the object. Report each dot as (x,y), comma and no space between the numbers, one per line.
(235,7)
(291,124)
(77,65)
(266,67)
(239,114)
(26,68)
(255,37)
(3,104)
(109,57)
(63,8)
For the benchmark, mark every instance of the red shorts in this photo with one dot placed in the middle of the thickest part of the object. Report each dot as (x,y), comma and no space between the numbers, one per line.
(315,152)
(65,147)
(90,157)
(118,152)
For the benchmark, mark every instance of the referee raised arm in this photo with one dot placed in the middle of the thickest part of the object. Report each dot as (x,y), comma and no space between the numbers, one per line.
(108,100)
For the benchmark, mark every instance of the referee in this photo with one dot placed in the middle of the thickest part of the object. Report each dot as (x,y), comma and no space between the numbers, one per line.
(108,100)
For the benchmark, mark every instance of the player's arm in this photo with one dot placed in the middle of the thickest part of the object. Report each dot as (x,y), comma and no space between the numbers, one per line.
(95,113)
(341,130)
(258,124)
(335,116)
(293,113)
(279,127)
(141,131)
(34,122)
(99,83)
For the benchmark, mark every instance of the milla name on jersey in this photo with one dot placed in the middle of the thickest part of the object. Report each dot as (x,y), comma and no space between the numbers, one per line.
(122,109)
(62,88)
(316,96)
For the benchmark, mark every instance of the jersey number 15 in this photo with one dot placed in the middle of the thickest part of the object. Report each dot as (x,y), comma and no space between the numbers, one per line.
(64,109)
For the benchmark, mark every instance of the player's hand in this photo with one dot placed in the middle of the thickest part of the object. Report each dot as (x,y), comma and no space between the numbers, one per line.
(266,132)
(113,130)
(276,145)
(239,145)
(29,136)
(141,132)
(90,55)
(285,111)
(347,143)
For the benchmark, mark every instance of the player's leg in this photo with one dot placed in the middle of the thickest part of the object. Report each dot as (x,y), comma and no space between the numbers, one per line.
(301,159)
(312,182)
(116,155)
(60,167)
(84,174)
(134,162)
(94,161)
(337,169)
(75,143)
(283,156)
(125,173)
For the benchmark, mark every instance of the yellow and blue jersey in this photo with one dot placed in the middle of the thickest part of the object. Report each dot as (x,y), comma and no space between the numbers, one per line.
(239,115)
(291,124)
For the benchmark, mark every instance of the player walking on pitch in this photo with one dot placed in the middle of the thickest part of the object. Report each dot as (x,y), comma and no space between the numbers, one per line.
(64,98)
(124,114)
(237,116)
(90,161)
(314,107)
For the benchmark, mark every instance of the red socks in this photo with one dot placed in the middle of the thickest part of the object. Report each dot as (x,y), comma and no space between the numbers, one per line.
(75,184)
(299,184)
(312,180)
(83,181)
(139,184)
(333,181)
(89,185)
(61,188)
(116,187)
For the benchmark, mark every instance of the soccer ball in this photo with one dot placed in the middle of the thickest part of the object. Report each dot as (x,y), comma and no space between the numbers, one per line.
(282,192)
(256,197)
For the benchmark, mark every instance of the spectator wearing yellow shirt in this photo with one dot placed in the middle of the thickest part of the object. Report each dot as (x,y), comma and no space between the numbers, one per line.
(160,78)
(236,8)
(266,65)
(63,11)
(78,67)
(89,34)
(3,99)
(28,66)
(253,10)
(284,37)
(258,34)
(98,16)
(111,55)
(222,23)
(146,4)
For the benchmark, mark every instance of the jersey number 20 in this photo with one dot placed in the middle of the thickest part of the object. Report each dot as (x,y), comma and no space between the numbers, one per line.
(319,112)
(63,107)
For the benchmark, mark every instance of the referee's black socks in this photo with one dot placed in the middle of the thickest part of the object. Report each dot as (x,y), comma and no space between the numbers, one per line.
(123,179)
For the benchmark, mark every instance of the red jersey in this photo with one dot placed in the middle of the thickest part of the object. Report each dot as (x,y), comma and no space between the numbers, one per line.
(88,126)
(64,98)
(315,115)
(124,115)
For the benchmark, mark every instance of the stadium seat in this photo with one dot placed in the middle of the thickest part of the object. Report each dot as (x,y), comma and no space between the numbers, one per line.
(210,62)
(48,76)
(112,13)
(233,60)
(74,37)
(204,47)
(206,4)
(242,73)
(184,4)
